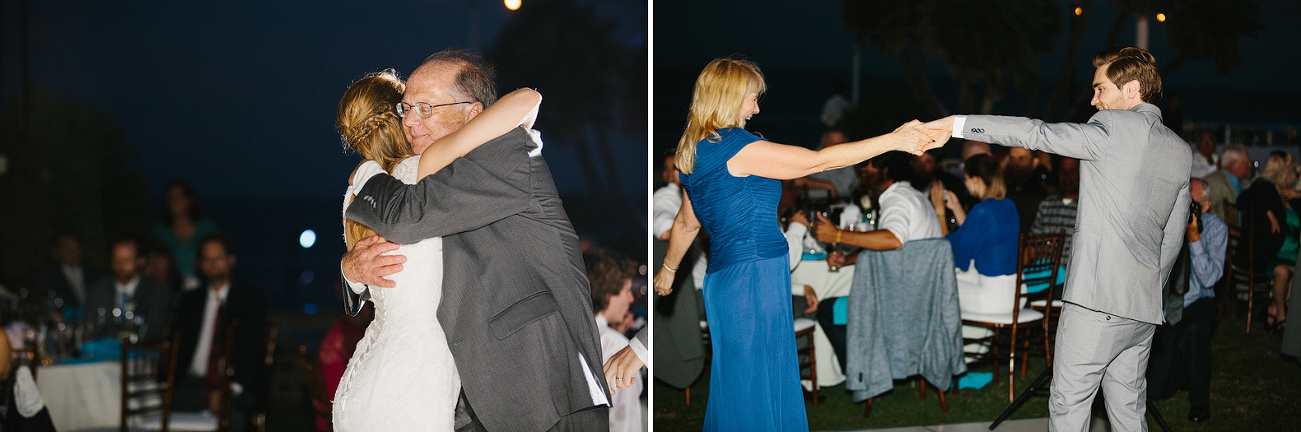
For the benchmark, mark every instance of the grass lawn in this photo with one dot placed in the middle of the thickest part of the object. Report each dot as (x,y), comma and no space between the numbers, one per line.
(1252,389)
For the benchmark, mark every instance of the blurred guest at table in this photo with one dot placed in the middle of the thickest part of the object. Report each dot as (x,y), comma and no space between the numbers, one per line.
(906,214)
(203,318)
(1228,182)
(160,267)
(970,148)
(836,106)
(127,301)
(67,277)
(1057,212)
(1024,184)
(1181,347)
(1204,158)
(832,183)
(610,276)
(985,244)
(337,347)
(182,226)
(1273,225)
(733,179)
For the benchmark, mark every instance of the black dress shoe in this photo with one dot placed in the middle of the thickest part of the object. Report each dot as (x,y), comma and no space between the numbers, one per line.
(1199,414)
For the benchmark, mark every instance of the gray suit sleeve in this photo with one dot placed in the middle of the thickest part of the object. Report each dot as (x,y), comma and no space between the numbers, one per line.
(1174,238)
(1086,141)
(352,301)
(488,184)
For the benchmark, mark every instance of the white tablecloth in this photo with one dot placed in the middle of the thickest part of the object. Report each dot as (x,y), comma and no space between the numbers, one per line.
(826,284)
(82,396)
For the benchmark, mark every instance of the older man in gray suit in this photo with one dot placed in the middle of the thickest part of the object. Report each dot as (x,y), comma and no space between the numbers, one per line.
(1134,199)
(516,304)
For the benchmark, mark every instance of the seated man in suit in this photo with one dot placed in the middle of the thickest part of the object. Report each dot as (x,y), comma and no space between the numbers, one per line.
(67,278)
(203,318)
(906,214)
(126,301)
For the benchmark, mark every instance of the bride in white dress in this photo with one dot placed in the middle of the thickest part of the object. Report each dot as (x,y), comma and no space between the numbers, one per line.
(402,376)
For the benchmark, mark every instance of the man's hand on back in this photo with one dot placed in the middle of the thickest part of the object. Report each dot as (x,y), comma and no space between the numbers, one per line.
(366,263)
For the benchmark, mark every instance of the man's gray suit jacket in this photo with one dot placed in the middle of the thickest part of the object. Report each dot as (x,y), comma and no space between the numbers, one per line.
(516,305)
(1134,200)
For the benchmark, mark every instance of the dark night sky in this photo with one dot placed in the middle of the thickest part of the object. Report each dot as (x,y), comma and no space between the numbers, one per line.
(239,98)
(808,44)
(206,89)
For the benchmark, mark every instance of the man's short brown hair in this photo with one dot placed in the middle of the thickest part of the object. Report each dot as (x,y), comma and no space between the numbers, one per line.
(1125,64)
(607,272)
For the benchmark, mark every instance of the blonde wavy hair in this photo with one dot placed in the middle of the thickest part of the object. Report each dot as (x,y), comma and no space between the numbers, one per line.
(716,104)
(1280,169)
(368,122)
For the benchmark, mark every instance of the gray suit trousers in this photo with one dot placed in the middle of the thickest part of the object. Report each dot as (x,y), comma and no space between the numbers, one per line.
(1099,349)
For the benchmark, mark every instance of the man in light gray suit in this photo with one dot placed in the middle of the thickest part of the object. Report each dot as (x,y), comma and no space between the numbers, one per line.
(516,303)
(1134,199)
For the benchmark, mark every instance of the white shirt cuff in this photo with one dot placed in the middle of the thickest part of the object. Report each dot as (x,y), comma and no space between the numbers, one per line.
(356,287)
(364,172)
(639,349)
(959,122)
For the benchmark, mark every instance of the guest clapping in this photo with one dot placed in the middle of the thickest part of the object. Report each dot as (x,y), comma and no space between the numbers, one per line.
(985,244)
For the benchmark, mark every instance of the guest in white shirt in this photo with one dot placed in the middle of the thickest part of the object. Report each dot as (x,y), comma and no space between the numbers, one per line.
(906,215)
(126,302)
(610,277)
(1204,158)
(203,318)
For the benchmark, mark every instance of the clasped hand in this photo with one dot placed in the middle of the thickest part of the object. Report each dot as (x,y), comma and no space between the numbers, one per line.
(918,137)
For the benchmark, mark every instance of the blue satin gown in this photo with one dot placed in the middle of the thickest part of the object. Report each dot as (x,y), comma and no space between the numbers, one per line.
(754,382)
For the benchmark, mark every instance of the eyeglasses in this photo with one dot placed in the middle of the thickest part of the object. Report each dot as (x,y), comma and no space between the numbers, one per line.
(425,110)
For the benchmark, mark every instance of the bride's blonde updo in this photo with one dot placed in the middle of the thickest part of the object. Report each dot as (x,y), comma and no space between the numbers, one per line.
(368,120)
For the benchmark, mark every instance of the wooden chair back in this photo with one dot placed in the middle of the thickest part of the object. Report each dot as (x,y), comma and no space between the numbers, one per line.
(148,374)
(314,376)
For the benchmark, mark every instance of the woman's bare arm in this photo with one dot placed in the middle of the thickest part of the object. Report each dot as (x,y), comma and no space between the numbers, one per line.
(684,231)
(517,108)
(785,162)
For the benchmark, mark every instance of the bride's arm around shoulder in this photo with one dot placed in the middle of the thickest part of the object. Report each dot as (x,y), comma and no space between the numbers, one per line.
(515,109)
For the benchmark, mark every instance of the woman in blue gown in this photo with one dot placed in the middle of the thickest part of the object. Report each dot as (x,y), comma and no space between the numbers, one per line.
(986,241)
(731,181)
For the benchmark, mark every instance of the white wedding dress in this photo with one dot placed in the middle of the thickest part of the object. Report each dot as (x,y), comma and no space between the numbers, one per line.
(402,376)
